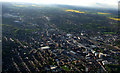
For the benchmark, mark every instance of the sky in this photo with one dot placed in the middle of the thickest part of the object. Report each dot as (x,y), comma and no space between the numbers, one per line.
(90,3)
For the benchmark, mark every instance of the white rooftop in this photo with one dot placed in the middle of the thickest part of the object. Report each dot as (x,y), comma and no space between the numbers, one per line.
(46,47)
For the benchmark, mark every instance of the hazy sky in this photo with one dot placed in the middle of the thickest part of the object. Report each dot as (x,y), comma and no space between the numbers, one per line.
(95,3)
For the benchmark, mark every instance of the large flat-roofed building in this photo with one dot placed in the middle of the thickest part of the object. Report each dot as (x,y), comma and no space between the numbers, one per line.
(46,47)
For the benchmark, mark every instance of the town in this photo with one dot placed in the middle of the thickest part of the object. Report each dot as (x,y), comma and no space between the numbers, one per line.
(51,49)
